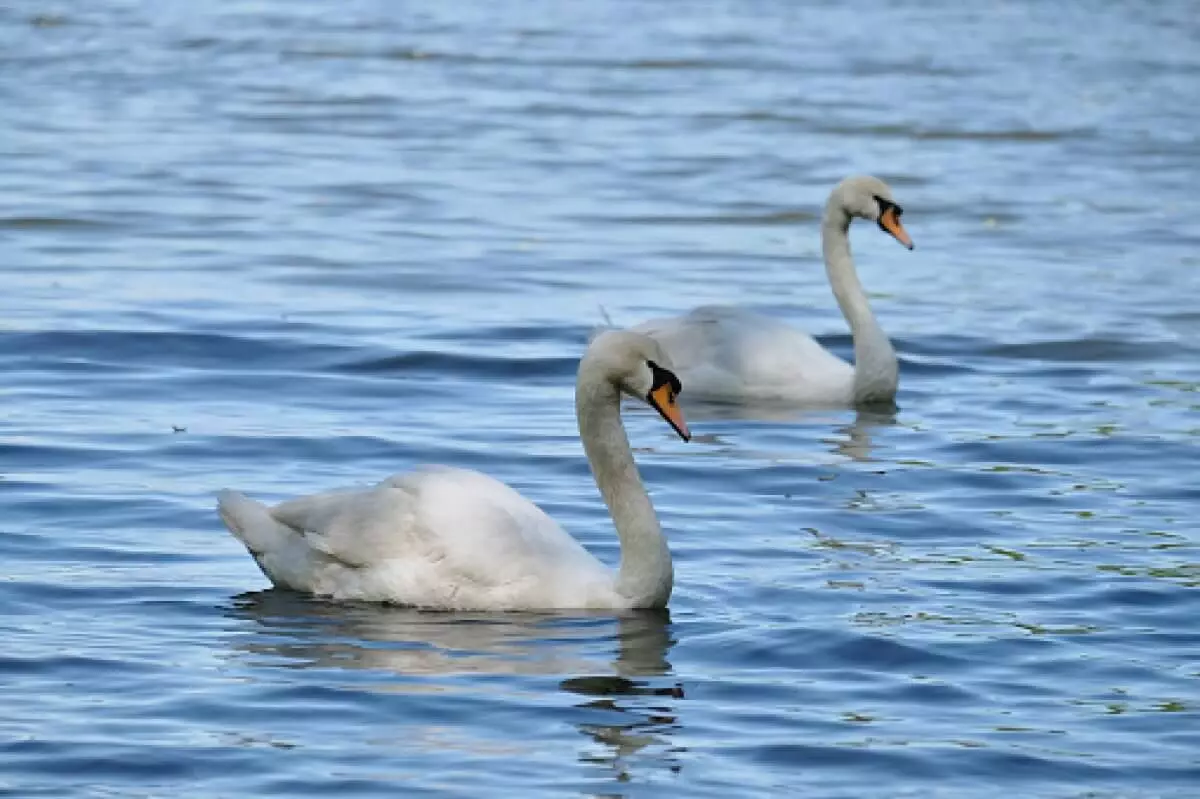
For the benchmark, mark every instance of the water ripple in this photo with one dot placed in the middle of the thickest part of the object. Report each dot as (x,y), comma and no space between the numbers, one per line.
(283,248)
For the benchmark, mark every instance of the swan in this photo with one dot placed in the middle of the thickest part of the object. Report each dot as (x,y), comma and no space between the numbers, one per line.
(456,539)
(731,354)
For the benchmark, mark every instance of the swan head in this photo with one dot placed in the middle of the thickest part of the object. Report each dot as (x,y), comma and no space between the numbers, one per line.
(870,198)
(636,365)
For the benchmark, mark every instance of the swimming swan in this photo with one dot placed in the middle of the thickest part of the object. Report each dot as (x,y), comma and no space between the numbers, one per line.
(456,539)
(730,354)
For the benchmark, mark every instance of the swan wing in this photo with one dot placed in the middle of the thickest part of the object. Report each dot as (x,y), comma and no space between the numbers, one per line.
(438,537)
(482,520)
(355,527)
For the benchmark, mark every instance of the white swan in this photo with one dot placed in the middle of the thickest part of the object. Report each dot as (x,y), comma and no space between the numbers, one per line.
(456,539)
(730,354)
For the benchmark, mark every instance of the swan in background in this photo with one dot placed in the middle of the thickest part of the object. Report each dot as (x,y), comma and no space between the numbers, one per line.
(731,354)
(455,539)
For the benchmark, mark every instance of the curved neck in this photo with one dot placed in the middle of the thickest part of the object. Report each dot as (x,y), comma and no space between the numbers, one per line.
(876,371)
(646,574)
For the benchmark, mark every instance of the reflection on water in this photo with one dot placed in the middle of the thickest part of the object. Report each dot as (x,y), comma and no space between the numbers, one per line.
(756,411)
(618,664)
(306,633)
(852,440)
(856,444)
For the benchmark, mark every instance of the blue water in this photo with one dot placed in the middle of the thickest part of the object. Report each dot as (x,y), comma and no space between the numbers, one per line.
(290,246)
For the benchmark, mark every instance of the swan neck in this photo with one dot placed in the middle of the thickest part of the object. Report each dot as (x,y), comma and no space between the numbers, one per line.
(646,575)
(876,371)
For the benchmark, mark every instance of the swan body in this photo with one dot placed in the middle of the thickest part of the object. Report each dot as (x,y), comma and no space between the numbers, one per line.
(731,354)
(456,539)
(734,352)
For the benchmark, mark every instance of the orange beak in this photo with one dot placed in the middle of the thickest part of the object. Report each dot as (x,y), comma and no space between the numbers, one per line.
(663,401)
(889,220)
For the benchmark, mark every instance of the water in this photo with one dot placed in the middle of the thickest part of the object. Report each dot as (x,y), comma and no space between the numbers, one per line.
(288,246)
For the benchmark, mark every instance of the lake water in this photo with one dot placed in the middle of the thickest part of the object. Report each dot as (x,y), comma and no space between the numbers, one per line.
(290,246)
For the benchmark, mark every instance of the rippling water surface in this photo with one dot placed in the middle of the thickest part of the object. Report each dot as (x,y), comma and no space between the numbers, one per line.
(289,246)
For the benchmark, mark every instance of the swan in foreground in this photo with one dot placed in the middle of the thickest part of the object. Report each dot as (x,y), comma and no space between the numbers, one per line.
(455,539)
(730,354)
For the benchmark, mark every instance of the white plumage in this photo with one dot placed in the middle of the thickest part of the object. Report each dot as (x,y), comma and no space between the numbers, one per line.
(452,538)
(734,353)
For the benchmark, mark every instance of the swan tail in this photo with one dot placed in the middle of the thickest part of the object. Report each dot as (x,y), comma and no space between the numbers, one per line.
(251,523)
(598,329)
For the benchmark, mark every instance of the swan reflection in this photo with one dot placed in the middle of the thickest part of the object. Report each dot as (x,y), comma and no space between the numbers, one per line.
(851,440)
(619,667)
(854,439)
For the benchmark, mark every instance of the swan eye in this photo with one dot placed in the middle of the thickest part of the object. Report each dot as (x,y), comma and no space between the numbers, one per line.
(884,205)
(664,377)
